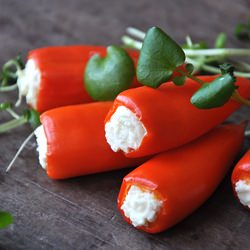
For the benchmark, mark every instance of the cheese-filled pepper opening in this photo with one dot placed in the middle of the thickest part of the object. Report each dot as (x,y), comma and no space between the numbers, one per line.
(241,180)
(71,142)
(144,121)
(170,186)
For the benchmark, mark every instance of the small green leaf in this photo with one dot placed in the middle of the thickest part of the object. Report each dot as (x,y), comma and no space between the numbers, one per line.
(214,94)
(190,68)
(5,105)
(33,117)
(220,40)
(159,57)
(106,77)
(5,219)
(179,80)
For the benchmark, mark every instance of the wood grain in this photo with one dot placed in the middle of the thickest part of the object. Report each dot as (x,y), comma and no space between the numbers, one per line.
(81,213)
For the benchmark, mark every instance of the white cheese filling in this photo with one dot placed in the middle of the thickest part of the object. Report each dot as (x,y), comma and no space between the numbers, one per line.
(242,189)
(124,131)
(141,207)
(28,82)
(41,146)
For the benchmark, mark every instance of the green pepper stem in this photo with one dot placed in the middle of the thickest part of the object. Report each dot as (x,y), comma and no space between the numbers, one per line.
(12,124)
(8,88)
(19,151)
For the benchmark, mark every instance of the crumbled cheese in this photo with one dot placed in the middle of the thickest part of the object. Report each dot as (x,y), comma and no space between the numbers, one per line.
(141,207)
(242,189)
(124,131)
(41,146)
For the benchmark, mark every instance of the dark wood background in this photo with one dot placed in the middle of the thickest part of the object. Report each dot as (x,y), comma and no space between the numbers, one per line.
(81,213)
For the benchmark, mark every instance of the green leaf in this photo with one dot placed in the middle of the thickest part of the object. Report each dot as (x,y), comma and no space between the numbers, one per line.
(220,40)
(214,94)
(5,219)
(179,80)
(159,57)
(33,117)
(190,68)
(106,77)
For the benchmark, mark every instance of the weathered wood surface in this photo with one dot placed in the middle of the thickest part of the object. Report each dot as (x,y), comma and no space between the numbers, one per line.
(81,213)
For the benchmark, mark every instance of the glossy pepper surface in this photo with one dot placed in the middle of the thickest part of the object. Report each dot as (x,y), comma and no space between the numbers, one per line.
(168,116)
(185,177)
(76,143)
(62,69)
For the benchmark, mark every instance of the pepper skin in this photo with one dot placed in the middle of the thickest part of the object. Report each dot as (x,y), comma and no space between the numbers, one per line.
(185,177)
(241,172)
(76,143)
(169,117)
(62,69)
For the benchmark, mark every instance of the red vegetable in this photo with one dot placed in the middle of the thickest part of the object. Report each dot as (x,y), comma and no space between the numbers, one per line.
(241,180)
(183,178)
(62,70)
(76,143)
(168,116)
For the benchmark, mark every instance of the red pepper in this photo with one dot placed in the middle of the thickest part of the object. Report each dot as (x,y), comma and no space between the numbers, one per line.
(76,143)
(62,69)
(183,178)
(168,116)
(241,176)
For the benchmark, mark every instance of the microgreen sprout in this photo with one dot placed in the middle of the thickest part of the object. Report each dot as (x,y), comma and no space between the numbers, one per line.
(242,30)
(198,53)
(160,56)
(9,74)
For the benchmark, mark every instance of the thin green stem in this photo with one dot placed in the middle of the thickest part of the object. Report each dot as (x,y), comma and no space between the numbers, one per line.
(13,113)
(8,88)
(237,97)
(19,151)
(196,79)
(135,33)
(12,124)
(131,43)
(215,70)
(217,52)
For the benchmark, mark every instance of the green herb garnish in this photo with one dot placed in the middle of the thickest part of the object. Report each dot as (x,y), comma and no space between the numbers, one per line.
(106,77)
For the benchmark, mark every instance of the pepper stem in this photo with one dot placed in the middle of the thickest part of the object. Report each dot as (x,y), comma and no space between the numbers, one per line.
(19,151)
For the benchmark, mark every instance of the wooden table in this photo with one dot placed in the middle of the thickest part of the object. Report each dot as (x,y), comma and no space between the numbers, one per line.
(81,213)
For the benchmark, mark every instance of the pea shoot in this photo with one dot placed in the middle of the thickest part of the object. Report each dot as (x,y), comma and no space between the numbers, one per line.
(160,56)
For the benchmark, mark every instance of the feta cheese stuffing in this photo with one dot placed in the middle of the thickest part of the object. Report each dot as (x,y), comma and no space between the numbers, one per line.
(28,82)
(41,146)
(141,207)
(242,189)
(124,131)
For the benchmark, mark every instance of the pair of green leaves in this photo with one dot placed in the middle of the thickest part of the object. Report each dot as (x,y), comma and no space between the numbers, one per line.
(5,219)
(160,56)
